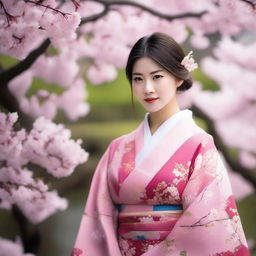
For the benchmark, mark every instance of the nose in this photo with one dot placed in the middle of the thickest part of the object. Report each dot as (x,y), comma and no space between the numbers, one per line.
(149,87)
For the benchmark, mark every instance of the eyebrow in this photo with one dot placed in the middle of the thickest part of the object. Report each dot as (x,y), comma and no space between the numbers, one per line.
(151,73)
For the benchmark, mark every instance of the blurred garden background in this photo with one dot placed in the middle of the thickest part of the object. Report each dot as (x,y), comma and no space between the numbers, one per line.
(80,83)
(111,115)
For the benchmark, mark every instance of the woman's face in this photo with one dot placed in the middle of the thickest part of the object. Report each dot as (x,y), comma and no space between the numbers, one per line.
(153,86)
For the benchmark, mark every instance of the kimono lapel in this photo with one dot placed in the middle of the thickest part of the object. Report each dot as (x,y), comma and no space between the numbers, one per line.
(131,146)
(122,161)
(150,141)
(152,161)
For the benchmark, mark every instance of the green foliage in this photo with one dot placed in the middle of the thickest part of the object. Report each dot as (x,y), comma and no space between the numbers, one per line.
(207,83)
(40,84)
(52,51)
(111,94)
(111,129)
(112,101)
(247,211)
(7,61)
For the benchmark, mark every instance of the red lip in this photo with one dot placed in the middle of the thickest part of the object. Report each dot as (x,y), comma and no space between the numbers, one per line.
(150,100)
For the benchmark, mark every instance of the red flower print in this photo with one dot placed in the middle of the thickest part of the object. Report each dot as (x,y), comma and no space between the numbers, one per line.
(76,252)
(242,251)
(239,251)
(231,207)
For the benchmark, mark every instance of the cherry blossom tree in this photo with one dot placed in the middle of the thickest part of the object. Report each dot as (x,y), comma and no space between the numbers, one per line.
(47,145)
(61,41)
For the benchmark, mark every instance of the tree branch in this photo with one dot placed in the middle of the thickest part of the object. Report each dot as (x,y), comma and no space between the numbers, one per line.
(108,4)
(252,4)
(233,163)
(7,99)
(9,17)
(30,235)
(10,103)
(8,186)
(95,17)
(8,74)
(38,3)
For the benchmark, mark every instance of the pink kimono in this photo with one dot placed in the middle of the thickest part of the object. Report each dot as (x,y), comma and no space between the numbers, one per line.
(161,194)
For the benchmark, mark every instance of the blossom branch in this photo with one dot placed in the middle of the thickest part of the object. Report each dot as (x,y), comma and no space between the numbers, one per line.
(9,17)
(199,224)
(7,100)
(108,4)
(7,186)
(75,3)
(8,74)
(233,163)
(199,221)
(252,4)
(97,16)
(38,3)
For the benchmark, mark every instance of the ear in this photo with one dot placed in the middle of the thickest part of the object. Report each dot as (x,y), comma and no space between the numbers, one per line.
(179,83)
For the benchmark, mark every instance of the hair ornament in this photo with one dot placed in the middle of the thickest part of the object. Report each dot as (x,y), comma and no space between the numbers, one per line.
(189,63)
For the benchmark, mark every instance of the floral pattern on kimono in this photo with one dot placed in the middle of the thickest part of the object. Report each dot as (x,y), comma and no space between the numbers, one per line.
(176,200)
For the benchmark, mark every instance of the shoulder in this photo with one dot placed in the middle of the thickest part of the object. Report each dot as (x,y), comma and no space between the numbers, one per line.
(115,143)
(204,144)
(203,137)
(200,135)
(201,141)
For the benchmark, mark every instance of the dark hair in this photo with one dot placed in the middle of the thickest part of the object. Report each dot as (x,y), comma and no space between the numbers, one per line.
(165,51)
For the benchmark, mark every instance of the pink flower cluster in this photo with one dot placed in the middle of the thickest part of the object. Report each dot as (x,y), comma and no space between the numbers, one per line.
(123,25)
(189,63)
(24,24)
(102,45)
(48,145)
(9,248)
(232,107)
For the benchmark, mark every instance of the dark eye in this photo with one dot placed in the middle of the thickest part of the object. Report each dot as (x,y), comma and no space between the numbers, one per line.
(157,76)
(137,79)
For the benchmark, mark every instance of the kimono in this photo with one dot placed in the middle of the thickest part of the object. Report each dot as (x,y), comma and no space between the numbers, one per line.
(161,194)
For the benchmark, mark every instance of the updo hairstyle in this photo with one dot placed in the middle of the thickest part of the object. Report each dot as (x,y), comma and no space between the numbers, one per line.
(163,50)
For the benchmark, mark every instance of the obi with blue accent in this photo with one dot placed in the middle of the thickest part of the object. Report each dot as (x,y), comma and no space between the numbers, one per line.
(147,222)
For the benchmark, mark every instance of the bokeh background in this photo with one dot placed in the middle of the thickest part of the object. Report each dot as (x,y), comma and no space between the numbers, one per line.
(227,36)
(111,115)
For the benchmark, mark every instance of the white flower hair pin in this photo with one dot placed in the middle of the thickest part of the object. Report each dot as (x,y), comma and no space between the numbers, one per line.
(189,63)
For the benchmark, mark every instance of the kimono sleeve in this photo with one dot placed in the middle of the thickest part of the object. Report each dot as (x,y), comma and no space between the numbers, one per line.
(210,224)
(97,231)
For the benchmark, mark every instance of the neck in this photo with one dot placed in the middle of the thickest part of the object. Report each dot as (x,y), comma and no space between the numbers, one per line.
(157,118)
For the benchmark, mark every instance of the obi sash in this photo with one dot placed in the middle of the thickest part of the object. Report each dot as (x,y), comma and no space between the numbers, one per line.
(147,222)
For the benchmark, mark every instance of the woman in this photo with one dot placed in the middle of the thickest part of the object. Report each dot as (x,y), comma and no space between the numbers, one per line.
(162,189)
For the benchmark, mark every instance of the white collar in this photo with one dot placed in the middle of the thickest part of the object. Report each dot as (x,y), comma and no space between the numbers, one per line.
(151,140)
(167,124)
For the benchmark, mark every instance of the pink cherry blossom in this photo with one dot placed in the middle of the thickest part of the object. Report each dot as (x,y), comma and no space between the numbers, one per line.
(101,72)
(95,51)
(233,106)
(10,248)
(31,23)
(72,101)
(189,63)
(48,145)
(247,159)
(199,41)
